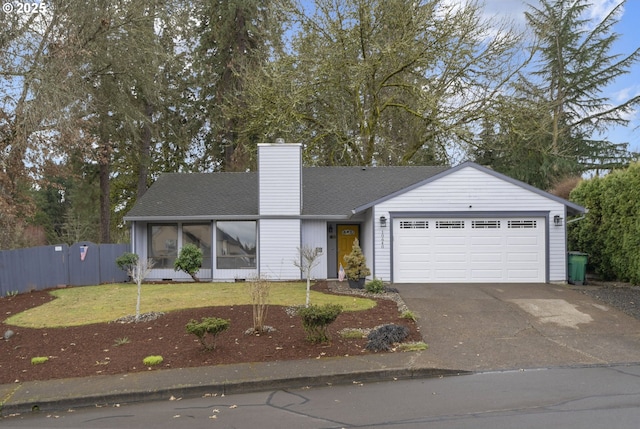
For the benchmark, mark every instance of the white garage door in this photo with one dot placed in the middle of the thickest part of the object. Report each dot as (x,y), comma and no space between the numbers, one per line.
(455,250)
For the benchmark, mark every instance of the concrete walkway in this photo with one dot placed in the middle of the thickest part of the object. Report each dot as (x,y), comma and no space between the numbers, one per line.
(468,328)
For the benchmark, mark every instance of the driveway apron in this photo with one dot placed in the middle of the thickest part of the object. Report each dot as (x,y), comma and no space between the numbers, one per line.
(510,326)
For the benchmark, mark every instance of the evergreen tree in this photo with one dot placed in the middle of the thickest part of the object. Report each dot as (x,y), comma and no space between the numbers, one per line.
(234,39)
(551,128)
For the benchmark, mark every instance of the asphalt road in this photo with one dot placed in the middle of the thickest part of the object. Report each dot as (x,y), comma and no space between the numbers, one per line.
(592,397)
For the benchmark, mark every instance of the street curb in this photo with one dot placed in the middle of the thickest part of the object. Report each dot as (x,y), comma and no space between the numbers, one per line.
(227,388)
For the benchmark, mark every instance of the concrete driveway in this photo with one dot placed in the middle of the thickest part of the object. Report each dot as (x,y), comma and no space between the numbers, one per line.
(507,326)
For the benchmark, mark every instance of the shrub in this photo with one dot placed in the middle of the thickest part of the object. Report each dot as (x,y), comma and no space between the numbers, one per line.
(352,333)
(121,341)
(259,290)
(189,260)
(208,325)
(382,338)
(127,261)
(152,360)
(610,230)
(316,319)
(374,286)
(355,263)
(414,346)
(39,360)
(408,314)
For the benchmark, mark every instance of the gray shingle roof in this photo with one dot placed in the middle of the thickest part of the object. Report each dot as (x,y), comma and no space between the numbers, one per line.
(327,191)
(330,191)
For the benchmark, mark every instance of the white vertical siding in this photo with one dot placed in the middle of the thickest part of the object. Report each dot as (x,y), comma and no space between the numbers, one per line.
(314,235)
(278,248)
(470,190)
(280,176)
(382,246)
(367,241)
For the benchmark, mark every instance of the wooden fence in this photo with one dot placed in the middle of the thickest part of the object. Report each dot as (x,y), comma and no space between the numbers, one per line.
(44,267)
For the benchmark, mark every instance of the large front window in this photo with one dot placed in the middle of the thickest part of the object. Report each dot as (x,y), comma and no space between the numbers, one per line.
(236,244)
(200,235)
(163,245)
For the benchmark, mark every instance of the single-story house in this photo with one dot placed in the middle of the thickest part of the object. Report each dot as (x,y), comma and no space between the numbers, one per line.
(414,224)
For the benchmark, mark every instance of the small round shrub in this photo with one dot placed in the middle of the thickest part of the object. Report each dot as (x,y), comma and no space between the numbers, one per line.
(127,261)
(374,286)
(316,319)
(39,360)
(207,327)
(152,360)
(189,260)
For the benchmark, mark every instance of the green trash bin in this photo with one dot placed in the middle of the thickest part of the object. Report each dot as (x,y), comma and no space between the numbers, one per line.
(577,268)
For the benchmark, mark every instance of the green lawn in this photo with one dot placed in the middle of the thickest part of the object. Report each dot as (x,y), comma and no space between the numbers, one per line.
(104,303)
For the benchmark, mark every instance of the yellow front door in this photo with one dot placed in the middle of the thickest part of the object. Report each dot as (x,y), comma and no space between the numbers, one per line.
(346,235)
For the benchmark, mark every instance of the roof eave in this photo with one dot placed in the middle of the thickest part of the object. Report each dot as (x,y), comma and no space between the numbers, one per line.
(187,218)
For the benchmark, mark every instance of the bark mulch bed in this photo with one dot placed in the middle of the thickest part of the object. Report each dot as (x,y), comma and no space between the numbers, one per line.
(115,348)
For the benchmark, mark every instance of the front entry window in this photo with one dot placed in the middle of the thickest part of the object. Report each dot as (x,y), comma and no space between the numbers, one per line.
(236,244)
(163,245)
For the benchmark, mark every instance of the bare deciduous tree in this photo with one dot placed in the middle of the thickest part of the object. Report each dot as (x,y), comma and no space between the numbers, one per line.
(308,261)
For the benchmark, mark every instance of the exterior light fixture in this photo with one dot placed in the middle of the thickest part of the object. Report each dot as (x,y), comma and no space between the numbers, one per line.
(383,222)
(557,220)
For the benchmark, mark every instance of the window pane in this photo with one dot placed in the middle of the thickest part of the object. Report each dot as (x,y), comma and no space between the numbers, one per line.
(163,245)
(200,235)
(236,245)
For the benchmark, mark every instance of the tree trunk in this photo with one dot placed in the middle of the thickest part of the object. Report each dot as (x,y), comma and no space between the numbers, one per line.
(105,189)
(145,151)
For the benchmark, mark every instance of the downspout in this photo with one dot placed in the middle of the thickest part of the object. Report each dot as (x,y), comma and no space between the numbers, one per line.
(576,219)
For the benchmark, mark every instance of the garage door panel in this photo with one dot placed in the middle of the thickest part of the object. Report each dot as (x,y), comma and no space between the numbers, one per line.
(523,257)
(413,248)
(522,241)
(412,258)
(419,273)
(521,274)
(486,241)
(457,258)
(453,274)
(416,240)
(468,250)
(487,275)
(486,257)
(449,240)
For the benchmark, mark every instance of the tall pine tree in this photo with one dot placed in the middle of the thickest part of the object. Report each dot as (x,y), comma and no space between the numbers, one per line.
(555,126)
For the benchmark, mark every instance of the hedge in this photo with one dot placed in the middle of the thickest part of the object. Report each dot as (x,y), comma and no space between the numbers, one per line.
(610,232)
